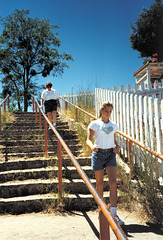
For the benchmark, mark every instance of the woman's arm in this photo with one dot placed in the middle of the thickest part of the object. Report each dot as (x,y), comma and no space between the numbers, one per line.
(117,147)
(42,100)
(89,142)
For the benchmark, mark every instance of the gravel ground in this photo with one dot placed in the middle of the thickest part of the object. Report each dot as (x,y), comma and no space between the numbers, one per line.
(75,225)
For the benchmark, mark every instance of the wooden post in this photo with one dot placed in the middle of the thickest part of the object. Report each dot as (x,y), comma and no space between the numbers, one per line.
(104,227)
(76,114)
(60,169)
(4,106)
(8,103)
(130,158)
(36,120)
(66,106)
(40,119)
(0,118)
(46,139)
(33,104)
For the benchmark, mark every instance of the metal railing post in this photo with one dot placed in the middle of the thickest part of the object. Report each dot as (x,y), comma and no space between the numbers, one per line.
(60,169)
(0,119)
(33,104)
(130,158)
(8,103)
(40,119)
(4,106)
(104,227)
(76,114)
(36,120)
(46,139)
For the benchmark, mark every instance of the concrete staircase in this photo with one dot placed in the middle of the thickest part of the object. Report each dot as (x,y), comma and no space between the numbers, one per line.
(28,180)
(24,139)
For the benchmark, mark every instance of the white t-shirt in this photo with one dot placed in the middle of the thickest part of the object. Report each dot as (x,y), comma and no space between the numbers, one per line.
(104,133)
(49,95)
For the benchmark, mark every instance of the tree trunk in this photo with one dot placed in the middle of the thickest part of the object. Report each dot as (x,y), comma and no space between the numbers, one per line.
(25,101)
(19,106)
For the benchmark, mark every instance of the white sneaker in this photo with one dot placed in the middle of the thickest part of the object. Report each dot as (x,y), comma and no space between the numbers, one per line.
(119,220)
(54,125)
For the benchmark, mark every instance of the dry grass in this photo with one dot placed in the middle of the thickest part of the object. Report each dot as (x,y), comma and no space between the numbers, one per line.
(142,194)
(81,127)
(6,117)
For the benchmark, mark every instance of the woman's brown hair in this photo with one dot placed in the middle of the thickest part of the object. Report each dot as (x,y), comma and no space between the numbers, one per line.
(103,105)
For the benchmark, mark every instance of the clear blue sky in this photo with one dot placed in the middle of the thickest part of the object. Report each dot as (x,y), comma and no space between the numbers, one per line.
(95,33)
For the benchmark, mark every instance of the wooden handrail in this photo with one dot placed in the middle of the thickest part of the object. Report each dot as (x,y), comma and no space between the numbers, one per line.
(80,109)
(4,100)
(109,216)
(141,145)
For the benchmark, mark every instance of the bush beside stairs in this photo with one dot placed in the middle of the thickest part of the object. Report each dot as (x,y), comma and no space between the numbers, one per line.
(28,179)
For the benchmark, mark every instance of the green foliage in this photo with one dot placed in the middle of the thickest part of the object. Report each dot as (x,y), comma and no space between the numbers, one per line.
(147,32)
(28,47)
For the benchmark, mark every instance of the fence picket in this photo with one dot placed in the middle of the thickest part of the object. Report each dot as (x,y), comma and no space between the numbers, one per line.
(136,118)
(141,119)
(132,115)
(151,124)
(128,113)
(146,122)
(157,125)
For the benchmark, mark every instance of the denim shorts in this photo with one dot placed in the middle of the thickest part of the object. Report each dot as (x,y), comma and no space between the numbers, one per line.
(103,158)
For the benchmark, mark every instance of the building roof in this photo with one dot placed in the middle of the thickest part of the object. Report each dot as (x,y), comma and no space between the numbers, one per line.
(156,70)
(140,69)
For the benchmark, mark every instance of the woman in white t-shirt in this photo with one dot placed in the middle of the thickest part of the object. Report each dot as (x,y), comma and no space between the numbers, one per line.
(104,152)
(51,99)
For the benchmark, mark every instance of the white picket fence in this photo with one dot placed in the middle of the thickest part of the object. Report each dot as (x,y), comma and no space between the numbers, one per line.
(138,111)
(80,98)
(139,114)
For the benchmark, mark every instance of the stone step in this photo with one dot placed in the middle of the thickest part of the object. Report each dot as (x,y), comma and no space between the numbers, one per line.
(22,142)
(29,185)
(35,126)
(20,132)
(36,148)
(23,132)
(20,164)
(44,173)
(43,186)
(29,116)
(34,137)
(30,121)
(40,202)
(9,156)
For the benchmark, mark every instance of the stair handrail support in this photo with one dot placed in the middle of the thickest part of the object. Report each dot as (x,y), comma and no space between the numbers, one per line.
(102,205)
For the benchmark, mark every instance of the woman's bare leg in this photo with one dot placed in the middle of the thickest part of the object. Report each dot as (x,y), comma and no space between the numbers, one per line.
(49,116)
(54,116)
(112,172)
(99,182)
